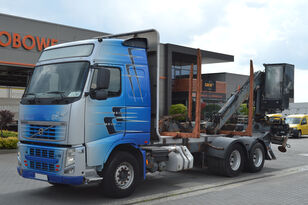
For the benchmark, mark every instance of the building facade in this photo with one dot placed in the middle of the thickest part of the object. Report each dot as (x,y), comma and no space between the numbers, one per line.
(216,87)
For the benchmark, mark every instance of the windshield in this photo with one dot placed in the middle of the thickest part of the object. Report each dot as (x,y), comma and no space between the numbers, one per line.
(293,120)
(67,52)
(57,82)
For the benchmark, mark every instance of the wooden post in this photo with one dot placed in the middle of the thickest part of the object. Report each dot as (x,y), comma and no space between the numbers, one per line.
(196,131)
(190,89)
(250,111)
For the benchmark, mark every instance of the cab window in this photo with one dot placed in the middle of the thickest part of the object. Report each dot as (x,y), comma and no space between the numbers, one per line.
(115,81)
(304,121)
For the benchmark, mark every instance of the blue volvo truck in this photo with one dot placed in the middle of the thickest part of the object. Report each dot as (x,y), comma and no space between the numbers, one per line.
(91,114)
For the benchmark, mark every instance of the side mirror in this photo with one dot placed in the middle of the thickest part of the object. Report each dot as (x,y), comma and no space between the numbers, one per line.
(103,78)
(101,94)
(102,84)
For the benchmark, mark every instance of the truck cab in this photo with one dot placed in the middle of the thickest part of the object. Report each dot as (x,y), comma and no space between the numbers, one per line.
(86,101)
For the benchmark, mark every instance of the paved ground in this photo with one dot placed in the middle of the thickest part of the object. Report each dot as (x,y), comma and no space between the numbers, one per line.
(279,189)
(282,181)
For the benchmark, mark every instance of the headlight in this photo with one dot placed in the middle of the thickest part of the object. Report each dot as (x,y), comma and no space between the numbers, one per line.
(18,158)
(70,157)
(18,155)
(18,151)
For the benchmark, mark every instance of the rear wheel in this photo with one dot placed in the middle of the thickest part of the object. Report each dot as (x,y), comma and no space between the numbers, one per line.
(256,157)
(120,175)
(231,165)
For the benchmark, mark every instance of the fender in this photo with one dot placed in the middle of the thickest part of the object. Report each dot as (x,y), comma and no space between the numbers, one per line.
(130,145)
(225,143)
(248,142)
(99,151)
(133,139)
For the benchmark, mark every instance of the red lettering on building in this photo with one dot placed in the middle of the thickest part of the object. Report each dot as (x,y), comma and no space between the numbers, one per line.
(16,40)
(8,37)
(41,44)
(24,44)
(28,41)
(54,42)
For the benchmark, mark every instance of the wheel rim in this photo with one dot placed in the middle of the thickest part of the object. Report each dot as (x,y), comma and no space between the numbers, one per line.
(124,175)
(235,160)
(257,157)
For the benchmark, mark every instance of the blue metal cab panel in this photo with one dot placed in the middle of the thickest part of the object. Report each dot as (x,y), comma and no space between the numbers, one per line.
(124,119)
(44,123)
(55,113)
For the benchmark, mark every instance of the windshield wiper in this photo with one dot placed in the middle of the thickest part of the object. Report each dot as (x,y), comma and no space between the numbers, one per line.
(57,92)
(33,99)
(31,94)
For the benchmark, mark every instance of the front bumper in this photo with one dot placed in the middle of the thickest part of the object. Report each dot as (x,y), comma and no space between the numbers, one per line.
(48,163)
(73,180)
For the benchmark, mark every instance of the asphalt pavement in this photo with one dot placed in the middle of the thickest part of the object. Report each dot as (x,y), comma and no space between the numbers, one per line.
(282,181)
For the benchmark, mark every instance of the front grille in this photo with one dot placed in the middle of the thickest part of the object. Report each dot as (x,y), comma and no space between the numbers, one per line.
(42,166)
(45,132)
(45,153)
(44,159)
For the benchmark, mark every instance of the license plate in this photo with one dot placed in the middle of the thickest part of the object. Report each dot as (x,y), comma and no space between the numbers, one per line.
(41,177)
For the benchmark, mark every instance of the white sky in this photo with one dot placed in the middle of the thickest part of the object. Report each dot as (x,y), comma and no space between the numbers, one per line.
(266,31)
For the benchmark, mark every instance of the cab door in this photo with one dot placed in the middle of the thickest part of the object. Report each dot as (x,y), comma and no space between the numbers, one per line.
(304,126)
(104,124)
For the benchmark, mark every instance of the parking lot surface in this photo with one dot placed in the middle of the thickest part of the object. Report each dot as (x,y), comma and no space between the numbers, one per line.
(169,188)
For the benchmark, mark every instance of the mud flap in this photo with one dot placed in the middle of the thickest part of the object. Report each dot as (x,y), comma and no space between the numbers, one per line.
(270,153)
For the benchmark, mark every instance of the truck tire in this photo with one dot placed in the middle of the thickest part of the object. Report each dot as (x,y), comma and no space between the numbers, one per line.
(233,163)
(120,175)
(256,158)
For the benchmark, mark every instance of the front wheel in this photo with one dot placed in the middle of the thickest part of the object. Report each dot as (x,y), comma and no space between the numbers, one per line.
(120,175)
(256,158)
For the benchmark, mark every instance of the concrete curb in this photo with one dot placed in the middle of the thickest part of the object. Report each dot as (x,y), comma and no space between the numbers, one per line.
(8,151)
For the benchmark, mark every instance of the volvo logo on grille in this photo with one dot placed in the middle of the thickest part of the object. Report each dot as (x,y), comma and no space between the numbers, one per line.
(40,131)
